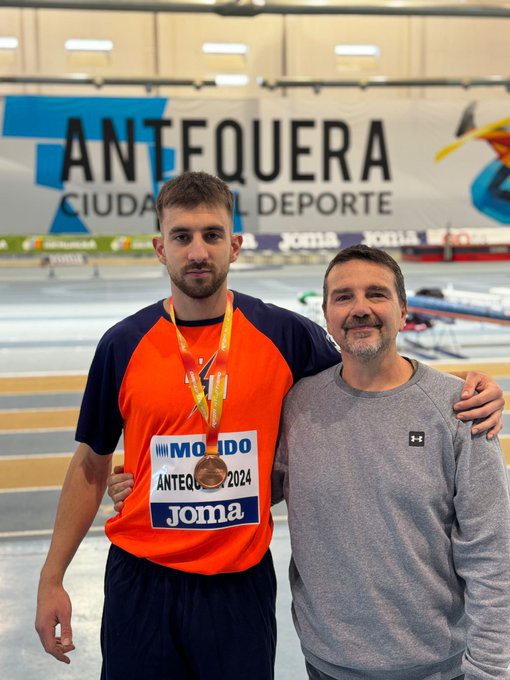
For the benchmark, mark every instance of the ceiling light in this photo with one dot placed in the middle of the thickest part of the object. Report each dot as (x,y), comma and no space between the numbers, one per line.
(231,79)
(357,50)
(76,45)
(8,43)
(224,48)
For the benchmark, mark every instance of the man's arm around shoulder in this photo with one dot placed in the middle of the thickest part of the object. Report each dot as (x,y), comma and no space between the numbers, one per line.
(81,495)
(481,551)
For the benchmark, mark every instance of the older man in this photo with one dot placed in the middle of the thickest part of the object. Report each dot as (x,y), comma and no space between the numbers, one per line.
(399,516)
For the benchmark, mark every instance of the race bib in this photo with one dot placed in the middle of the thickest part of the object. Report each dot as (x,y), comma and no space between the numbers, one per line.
(177,501)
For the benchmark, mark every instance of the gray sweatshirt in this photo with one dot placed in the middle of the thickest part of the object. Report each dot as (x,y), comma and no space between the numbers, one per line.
(400,529)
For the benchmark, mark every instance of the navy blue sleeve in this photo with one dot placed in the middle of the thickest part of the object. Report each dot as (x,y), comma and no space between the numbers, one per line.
(304,345)
(100,422)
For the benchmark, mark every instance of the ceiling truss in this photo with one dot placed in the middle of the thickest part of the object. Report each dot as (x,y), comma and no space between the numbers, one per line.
(250,8)
(304,82)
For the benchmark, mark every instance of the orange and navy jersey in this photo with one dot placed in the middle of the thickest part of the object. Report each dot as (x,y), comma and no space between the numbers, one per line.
(137,385)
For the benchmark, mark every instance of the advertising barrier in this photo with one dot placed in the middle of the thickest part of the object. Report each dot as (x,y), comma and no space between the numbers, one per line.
(284,242)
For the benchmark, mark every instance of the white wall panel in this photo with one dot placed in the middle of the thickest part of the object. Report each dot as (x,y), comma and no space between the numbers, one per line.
(311,42)
(20,24)
(133,53)
(291,45)
(180,53)
(11,61)
(464,48)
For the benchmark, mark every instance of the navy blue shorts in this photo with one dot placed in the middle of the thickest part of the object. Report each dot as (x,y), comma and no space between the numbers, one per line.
(163,624)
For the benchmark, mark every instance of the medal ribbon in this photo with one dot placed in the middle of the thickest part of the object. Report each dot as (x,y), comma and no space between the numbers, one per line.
(212,416)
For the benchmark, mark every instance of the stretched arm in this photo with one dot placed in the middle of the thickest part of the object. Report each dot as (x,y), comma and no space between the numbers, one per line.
(81,495)
(481,548)
(482,400)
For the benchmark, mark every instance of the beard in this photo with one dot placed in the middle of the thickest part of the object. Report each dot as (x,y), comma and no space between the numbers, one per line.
(365,348)
(199,289)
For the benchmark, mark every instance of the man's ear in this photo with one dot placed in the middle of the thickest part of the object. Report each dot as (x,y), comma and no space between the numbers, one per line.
(325,312)
(403,316)
(159,248)
(236,241)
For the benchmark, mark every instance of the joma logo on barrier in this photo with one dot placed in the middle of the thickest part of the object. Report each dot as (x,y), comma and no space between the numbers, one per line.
(310,240)
(226,447)
(390,239)
(205,515)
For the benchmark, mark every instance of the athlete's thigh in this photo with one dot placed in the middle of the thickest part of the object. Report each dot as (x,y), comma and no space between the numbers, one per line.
(139,639)
(232,633)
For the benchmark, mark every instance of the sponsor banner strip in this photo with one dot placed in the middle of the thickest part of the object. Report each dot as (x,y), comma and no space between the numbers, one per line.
(284,242)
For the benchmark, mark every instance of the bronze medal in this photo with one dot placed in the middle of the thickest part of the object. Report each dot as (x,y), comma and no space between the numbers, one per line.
(210,471)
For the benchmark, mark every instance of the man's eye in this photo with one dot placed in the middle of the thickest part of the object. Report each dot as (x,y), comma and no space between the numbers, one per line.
(341,298)
(212,237)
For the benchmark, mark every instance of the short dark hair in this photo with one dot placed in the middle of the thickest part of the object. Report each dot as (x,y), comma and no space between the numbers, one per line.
(374,255)
(191,189)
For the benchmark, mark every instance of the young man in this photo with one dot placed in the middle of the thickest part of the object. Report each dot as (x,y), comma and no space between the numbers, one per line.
(190,587)
(399,516)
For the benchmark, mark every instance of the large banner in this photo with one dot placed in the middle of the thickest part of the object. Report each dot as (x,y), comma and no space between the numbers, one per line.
(77,165)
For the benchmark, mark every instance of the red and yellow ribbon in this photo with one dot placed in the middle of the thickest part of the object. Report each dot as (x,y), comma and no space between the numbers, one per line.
(212,415)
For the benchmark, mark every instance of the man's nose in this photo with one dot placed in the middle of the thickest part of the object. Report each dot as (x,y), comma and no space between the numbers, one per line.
(360,306)
(197,252)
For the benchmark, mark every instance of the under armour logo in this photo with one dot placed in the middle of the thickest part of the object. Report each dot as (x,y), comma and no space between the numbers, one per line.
(416,438)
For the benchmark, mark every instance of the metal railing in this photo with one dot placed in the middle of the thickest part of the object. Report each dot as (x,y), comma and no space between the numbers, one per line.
(302,82)
(249,8)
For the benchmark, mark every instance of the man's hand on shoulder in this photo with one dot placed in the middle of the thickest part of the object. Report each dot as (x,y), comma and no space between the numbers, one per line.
(120,485)
(483,400)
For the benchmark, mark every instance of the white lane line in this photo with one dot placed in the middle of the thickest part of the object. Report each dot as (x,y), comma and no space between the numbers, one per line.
(31,489)
(473,360)
(42,374)
(39,409)
(33,533)
(43,456)
(41,430)
(35,456)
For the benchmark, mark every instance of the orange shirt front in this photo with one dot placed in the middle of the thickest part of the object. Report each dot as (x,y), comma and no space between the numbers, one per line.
(137,383)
